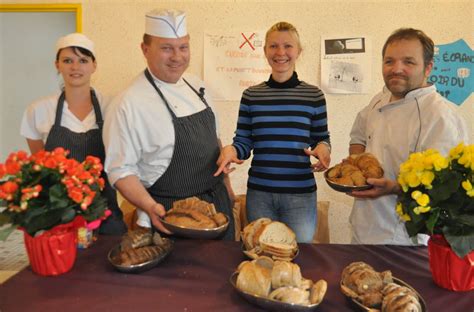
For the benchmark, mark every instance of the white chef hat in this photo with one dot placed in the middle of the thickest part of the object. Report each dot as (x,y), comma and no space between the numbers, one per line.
(75,40)
(166,23)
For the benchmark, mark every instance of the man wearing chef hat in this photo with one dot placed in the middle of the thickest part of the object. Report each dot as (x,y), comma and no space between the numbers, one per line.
(161,139)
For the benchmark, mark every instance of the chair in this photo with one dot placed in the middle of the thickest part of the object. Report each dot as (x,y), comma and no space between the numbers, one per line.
(239,212)
(321,236)
(129,214)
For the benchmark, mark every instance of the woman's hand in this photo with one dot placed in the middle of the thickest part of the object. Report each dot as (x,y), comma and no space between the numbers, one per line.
(228,155)
(322,153)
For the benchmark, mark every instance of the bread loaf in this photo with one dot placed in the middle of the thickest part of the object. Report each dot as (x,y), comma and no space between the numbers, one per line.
(374,289)
(194,213)
(140,246)
(135,239)
(289,294)
(279,280)
(254,279)
(271,238)
(399,298)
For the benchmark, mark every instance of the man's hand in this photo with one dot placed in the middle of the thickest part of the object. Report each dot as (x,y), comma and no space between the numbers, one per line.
(228,155)
(133,190)
(322,153)
(381,187)
(156,212)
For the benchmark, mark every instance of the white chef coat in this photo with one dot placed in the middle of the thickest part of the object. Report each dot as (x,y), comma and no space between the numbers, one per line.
(139,133)
(391,131)
(39,117)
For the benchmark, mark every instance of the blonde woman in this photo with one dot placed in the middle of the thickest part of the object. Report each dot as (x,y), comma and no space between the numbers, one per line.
(73,118)
(284,122)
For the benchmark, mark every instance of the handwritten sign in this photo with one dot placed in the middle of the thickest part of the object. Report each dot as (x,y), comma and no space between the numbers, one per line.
(453,71)
(234,62)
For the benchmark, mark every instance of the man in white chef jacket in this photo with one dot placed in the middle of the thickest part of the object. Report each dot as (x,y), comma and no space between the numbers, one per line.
(407,116)
(161,137)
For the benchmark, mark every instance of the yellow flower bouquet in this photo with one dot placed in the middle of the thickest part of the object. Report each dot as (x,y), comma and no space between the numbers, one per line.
(438,196)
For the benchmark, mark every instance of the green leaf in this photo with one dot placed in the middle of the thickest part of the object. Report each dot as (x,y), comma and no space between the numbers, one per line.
(68,215)
(58,197)
(465,219)
(43,222)
(461,245)
(432,220)
(4,233)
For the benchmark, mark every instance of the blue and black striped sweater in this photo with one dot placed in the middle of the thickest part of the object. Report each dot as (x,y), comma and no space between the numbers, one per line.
(277,121)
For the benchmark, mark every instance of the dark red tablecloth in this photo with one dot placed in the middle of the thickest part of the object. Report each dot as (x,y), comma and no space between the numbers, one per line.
(195,277)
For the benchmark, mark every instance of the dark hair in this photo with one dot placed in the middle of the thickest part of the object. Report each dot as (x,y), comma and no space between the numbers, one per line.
(411,33)
(76,49)
(146,39)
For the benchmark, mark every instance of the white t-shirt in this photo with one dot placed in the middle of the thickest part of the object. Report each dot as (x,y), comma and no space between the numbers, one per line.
(40,115)
(391,131)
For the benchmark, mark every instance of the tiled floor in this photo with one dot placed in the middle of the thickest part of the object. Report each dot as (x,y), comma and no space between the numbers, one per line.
(13,256)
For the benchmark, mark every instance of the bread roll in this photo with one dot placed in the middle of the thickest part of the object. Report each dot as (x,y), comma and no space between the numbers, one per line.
(318,290)
(254,279)
(289,294)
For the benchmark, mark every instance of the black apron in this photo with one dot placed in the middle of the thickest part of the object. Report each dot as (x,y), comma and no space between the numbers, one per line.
(80,145)
(190,172)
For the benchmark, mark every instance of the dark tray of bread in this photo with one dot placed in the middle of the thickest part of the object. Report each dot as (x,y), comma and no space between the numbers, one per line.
(352,173)
(369,290)
(277,286)
(195,218)
(139,251)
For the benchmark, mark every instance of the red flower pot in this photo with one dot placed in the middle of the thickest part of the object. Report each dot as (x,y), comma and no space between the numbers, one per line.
(54,251)
(448,270)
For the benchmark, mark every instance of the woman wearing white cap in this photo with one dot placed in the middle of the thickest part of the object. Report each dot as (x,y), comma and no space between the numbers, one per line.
(73,118)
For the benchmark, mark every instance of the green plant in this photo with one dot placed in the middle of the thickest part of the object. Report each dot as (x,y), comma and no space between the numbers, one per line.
(47,189)
(438,196)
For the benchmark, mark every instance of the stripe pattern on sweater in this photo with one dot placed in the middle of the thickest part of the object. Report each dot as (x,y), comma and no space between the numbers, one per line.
(277,123)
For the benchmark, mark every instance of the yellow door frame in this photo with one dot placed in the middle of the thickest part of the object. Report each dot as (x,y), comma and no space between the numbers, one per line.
(57,7)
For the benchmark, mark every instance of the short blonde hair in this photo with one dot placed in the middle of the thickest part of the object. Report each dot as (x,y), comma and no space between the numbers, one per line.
(284,26)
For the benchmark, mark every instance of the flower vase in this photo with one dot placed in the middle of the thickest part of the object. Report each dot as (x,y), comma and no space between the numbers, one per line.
(448,270)
(54,251)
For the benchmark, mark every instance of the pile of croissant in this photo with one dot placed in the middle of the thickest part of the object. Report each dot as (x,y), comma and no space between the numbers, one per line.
(279,280)
(377,289)
(194,213)
(140,246)
(355,170)
(269,238)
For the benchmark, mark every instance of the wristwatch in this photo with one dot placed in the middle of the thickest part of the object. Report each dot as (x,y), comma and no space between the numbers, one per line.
(325,143)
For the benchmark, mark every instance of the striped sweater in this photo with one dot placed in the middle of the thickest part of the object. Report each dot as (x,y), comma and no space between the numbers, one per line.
(277,121)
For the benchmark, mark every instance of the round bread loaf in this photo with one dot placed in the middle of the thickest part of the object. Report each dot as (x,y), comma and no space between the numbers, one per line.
(254,279)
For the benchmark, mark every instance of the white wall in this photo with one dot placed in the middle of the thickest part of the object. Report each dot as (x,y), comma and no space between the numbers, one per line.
(117,27)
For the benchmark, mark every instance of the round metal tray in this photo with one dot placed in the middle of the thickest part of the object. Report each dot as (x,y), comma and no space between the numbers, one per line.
(270,304)
(345,188)
(137,268)
(360,307)
(196,233)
